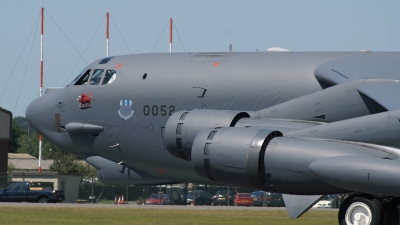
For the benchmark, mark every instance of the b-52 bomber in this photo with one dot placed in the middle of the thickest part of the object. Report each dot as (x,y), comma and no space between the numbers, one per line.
(305,124)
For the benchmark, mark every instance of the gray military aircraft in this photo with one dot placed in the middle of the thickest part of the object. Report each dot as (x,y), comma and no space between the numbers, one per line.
(303,124)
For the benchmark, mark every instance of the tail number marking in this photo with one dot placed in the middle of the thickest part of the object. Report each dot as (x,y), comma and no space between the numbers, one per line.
(156,110)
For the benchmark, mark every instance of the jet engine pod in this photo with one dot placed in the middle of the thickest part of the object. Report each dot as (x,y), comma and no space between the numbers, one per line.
(287,164)
(183,126)
(232,155)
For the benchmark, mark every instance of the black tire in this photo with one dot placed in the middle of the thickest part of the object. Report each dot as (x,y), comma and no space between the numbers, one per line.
(390,213)
(365,204)
(42,200)
(175,196)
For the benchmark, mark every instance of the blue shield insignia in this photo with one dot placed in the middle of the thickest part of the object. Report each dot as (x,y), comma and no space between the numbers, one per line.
(125,111)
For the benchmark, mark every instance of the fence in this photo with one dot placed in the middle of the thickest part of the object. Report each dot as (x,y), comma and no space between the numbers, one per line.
(137,194)
(78,189)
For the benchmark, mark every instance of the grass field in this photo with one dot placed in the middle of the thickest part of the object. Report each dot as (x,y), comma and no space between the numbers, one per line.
(87,216)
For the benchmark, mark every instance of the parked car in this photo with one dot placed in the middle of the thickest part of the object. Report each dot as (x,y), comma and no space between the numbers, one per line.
(221,198)
(202,197)
(244,199)
(274,199)
(258,197)
(325,202)
(30,192)
(158,199)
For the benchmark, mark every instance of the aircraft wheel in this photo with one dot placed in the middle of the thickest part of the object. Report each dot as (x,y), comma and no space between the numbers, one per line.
(362,210)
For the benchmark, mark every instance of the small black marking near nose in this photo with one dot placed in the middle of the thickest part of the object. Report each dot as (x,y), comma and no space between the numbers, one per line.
(144,76)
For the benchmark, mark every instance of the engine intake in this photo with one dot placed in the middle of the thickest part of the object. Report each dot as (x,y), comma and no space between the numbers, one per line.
(183,126)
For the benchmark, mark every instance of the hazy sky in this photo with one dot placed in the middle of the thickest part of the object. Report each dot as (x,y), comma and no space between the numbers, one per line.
(75,28)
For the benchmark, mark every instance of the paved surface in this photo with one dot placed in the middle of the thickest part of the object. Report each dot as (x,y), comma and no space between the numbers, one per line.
(132,206)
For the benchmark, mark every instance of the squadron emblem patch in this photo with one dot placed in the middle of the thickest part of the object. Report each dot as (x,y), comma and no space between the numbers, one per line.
(125,111)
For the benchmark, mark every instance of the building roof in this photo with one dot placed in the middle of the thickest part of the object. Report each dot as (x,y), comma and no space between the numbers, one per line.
(30,164)
(26,163)
(20,156)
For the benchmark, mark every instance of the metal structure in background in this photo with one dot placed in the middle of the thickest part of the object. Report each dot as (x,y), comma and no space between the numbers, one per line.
(5,137)
(139,194)
(90,191)
(170,35)
(107,33)
(41,84)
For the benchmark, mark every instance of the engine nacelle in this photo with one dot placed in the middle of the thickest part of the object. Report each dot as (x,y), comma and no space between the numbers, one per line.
(287,163)
(263,159)
(232,155)
(183,126)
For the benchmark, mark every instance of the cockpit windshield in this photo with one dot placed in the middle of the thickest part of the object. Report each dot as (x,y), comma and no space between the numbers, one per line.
(98,77)
(84,78)
(76,78)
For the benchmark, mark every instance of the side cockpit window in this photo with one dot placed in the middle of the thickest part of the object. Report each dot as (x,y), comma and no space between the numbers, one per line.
(84,78)
(96,77)
(109,77)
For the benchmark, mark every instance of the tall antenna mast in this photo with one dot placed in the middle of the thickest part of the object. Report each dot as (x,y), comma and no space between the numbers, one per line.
(41,85)
(170,35)
(107,32)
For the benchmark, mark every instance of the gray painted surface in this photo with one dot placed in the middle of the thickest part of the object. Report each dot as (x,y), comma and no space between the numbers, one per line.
(297,205)
(324,104)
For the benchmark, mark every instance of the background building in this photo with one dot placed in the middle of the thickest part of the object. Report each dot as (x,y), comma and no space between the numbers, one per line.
(5,137)
(26,169)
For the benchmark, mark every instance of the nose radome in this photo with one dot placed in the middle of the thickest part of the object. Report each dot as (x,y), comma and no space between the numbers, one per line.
(31,113)
(40,114)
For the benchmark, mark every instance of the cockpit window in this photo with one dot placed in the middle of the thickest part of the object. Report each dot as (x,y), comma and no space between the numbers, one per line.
(76,78)
(105,60)
(84,78)
(96,77)
(109,77)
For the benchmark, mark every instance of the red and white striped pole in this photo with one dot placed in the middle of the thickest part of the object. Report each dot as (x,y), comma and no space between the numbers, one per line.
(107,32)
(41,85)
(170,35)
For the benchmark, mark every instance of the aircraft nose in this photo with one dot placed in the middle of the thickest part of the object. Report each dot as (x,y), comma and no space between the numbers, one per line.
(39,114)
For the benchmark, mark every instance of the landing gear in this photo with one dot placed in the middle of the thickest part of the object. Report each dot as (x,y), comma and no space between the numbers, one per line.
(391,213)
(367,210)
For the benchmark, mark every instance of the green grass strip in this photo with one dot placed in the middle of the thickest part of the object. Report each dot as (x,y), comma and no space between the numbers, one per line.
(97,216)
